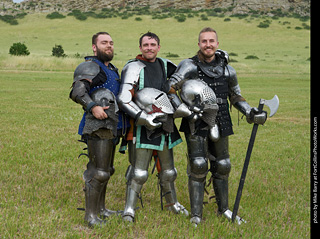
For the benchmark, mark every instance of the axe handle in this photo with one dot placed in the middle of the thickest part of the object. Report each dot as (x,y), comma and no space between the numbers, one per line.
(245,166)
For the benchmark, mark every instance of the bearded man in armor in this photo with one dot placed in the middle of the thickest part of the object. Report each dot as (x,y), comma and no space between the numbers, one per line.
(95,87)
(209,143)
(140,96)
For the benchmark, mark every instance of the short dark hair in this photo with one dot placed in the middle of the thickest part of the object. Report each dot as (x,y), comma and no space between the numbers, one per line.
(150,35)
(95,36)
(208,29)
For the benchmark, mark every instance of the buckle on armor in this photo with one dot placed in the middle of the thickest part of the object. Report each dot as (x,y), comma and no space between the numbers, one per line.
(220,101)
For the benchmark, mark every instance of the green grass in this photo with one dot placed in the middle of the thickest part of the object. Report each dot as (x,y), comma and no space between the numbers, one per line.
(41,176)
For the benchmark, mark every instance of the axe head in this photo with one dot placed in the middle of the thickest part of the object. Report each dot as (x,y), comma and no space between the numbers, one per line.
(273,104)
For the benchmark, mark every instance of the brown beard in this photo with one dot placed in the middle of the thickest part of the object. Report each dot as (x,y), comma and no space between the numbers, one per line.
(201,56)
(104,57)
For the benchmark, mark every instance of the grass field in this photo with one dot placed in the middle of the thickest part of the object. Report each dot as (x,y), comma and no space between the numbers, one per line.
(41,176)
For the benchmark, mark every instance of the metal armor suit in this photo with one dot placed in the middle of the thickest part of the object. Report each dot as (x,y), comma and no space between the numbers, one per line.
(98,134)
(202,147)
(137,106)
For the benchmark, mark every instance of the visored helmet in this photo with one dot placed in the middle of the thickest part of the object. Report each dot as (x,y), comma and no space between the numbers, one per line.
(104,97)
(201,99)
(152,100)
(196,91)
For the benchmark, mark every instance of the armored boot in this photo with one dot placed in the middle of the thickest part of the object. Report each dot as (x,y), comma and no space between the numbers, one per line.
(92,196)
(132,195)
(196,195)
(168,191)
(220,187)
(104,213)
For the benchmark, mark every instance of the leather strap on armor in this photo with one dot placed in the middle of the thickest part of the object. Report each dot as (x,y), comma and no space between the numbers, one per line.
(215,77)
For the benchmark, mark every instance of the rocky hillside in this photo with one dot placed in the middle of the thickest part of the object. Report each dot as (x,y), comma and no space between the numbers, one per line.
(299,7)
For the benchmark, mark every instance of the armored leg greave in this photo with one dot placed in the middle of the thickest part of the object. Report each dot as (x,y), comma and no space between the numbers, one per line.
(104,212)
(137,175)
(132,194)
(92,194)
(96,178)
(221,191)
(220,169)
(167,176)
(197,172)
(220,187)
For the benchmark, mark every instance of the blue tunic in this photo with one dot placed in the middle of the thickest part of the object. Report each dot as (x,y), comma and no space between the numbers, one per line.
(113,84)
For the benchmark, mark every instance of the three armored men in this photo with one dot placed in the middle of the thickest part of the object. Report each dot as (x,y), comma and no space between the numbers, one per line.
(140,110)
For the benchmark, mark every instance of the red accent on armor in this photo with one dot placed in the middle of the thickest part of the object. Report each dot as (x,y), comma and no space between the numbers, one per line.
(155,110)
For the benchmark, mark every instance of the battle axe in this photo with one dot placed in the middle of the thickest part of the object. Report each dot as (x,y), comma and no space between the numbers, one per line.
(273,104)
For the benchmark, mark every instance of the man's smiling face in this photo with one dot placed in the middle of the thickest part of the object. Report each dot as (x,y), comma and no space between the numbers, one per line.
(149,48)
(208,44)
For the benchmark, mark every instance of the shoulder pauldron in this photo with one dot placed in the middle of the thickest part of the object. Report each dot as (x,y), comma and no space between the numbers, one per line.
(131,71)
(86,70)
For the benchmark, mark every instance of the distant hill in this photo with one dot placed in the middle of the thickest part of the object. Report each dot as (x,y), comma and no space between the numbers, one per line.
(228,7)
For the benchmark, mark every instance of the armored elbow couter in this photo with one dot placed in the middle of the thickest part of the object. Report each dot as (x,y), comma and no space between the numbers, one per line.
(85,71)
(186,69)
(80,95)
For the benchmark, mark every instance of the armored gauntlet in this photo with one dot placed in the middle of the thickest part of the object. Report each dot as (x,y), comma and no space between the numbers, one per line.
(148,120)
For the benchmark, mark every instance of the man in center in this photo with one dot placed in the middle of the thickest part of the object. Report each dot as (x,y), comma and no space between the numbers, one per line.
(148,136)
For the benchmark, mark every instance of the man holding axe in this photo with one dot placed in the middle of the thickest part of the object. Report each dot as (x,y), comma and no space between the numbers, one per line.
(208,142)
